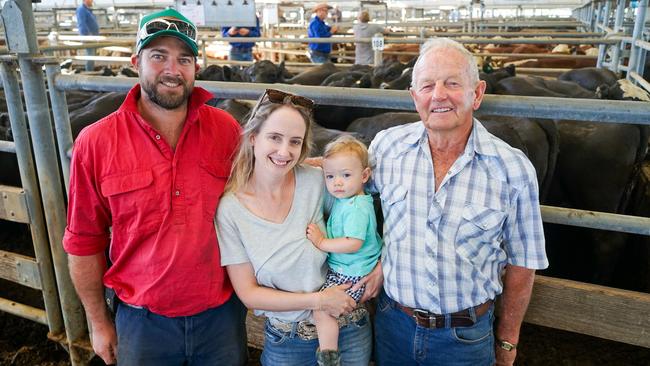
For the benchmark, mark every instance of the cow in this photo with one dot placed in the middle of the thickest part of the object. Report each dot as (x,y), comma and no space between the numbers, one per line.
(215,73)
(539,87)
(314,75)
(492,78)
(589,78)
(387,72)
(349,79)
(401,83)
(595,170)
(263,71)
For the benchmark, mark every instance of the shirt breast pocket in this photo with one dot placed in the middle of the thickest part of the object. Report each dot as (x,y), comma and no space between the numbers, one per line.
(395,211)
(480,232)
(214,175)
(133,200)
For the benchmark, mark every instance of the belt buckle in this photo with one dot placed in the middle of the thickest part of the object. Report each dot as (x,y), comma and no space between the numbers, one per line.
(419,314)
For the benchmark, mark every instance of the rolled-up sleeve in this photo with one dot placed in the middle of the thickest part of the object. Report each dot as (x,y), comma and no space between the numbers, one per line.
(88,219)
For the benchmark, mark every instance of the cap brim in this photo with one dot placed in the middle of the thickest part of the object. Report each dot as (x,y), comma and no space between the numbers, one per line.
(171,33)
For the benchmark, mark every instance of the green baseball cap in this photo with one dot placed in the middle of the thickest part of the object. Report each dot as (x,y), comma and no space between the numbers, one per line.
(168,22)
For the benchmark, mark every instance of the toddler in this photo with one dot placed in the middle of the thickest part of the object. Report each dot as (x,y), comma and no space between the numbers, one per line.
(352,240)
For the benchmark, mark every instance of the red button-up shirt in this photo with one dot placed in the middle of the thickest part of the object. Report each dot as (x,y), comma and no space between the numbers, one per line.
(155,206)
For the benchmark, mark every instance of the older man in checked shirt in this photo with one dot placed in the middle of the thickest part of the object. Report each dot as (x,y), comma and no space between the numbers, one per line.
(462,225)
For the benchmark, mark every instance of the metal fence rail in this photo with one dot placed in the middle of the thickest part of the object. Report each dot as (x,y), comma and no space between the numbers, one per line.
(594,110)
(538,107)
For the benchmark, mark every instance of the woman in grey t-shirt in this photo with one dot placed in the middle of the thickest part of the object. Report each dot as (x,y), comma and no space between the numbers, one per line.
(261,220)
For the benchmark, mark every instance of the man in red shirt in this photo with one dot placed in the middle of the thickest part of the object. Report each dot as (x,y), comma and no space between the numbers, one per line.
(145,183)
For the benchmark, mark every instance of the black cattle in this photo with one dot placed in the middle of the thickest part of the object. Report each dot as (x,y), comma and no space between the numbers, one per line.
(98,108)
(128,72)
(401,83)
(595,171)
(597,168)
(349,79)
(215,73)
(535,86)
(386,72)
(263,71)
(368,127)
(589,78)
(492,78)
(314,75)
(237,109)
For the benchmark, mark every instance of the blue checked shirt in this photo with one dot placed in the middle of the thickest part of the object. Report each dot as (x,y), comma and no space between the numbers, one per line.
(445,251)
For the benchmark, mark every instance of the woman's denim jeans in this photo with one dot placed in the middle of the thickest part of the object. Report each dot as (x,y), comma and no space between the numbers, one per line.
(286,349)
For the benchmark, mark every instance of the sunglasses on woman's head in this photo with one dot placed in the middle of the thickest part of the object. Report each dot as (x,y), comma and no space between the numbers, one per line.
(280,97)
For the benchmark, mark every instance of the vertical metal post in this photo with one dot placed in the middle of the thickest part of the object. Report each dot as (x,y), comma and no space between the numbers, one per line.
(204,55)
(602,50)
(598,17)
(28,178)
(590,16)
(18,19)
(635,51)
(61,120)
(605,15)
(618,23)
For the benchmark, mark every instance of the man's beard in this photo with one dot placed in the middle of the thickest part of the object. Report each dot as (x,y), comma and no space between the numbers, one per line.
(167,101)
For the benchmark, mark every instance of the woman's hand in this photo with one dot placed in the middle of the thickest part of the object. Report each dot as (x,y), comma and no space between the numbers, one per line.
(373,281)
(315,235)
(335,301)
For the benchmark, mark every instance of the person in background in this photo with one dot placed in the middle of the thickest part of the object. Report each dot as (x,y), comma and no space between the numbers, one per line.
(241,51)
(462,225)
(364,54)
(87,25)
(145,183)
(320,52)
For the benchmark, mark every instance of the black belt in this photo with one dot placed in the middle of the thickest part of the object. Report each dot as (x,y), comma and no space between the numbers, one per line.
(461,318)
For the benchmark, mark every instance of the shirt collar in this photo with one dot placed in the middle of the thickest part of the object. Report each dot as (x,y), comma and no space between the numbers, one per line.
(479,140)
(198,97)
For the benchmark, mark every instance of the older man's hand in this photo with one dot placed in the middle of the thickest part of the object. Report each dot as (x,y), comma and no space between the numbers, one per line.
(373,281)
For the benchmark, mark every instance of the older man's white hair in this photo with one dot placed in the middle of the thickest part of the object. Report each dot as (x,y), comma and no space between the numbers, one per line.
(439,44)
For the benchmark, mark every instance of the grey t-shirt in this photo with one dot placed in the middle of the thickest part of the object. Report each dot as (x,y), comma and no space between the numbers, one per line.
(364,55)
(281,255)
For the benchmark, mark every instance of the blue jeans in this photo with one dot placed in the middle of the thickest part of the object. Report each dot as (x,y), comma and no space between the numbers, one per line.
(216,336)
(241,54)
(90,64)
(400,342)
(287,349)
(319,57)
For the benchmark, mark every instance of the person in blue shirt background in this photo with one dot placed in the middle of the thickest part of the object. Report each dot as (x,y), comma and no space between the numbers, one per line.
(241,51)
(87,24)
(320,52)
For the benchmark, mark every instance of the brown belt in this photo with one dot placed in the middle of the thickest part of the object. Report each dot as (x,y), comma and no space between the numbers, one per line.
(461,318)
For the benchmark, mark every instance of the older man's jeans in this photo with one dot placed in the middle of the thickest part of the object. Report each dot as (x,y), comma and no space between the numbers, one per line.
(216,336)
(400,342)
(318,57)
(287,349)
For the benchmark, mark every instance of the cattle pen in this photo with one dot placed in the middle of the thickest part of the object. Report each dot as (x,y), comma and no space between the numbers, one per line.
(599,311)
